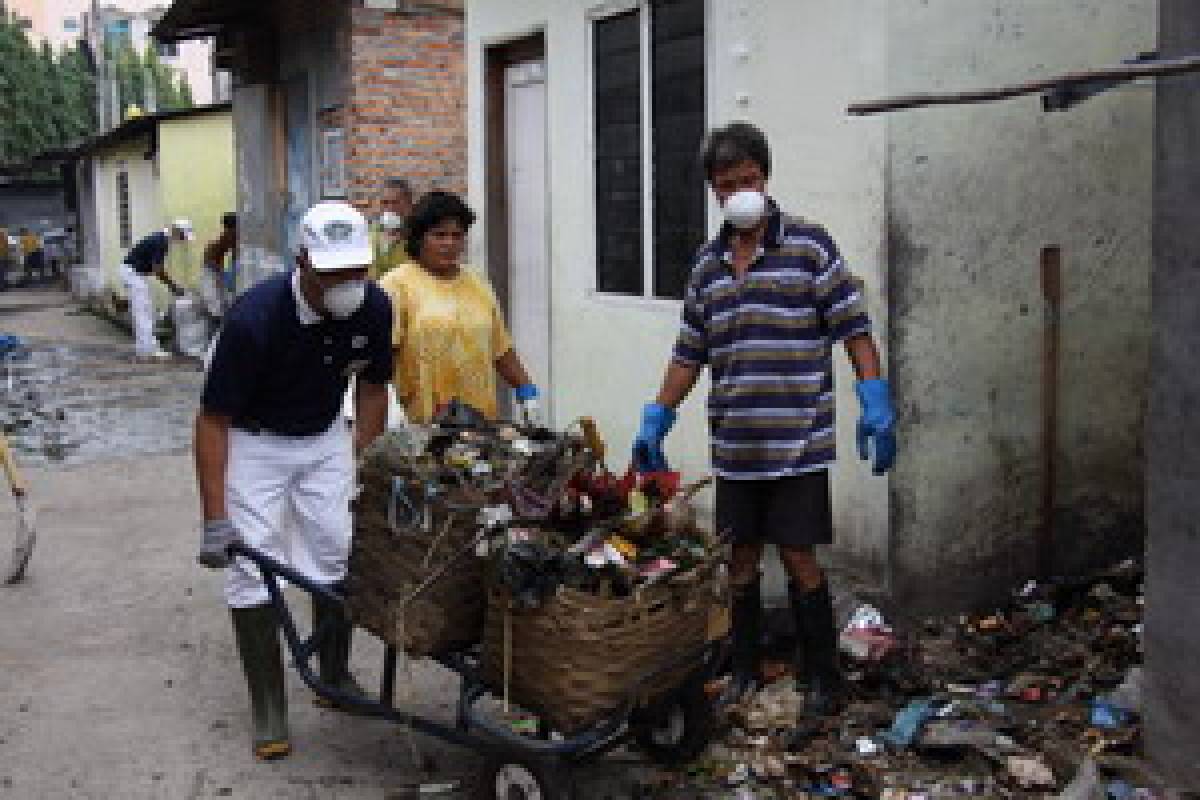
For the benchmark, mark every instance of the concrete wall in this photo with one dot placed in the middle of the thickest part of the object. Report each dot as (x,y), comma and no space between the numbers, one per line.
(608,352)
(974,193)
(312,51)
(195,166)
(1173,455)
(190,176)
(259,196)
(145,204)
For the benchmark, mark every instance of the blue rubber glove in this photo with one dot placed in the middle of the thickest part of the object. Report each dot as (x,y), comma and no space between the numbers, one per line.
(529,411)
(878,422)
(657,421)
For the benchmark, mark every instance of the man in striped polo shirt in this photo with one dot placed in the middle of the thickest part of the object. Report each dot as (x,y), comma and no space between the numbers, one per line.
(766,301)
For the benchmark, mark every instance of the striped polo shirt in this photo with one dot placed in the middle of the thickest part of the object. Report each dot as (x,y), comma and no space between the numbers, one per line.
(767,340)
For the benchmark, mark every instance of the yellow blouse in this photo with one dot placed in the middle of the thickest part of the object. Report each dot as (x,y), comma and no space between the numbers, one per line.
(447,334)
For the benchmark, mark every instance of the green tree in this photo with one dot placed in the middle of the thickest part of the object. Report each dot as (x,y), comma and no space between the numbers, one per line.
(46,102)
(126,66)
(79,93)
(135,74)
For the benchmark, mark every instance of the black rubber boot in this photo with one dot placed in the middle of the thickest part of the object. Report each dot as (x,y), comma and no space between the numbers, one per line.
(817,654)
(256,631)
(747,638)
(333,651)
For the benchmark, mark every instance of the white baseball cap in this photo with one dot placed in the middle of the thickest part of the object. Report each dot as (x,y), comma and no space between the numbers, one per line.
(335,236)
(184,228)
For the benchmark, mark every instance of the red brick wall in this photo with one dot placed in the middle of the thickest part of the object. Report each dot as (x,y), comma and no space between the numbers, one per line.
(407,107)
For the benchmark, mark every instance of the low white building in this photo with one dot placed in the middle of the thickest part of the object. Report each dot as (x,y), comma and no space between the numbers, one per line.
(585,119)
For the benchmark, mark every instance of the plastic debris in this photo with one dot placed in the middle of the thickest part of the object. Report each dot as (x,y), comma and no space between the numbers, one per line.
(867,746)
(1106,715)
(868,643)
(434,789)
(908,723)
(995,705)
(1030,772)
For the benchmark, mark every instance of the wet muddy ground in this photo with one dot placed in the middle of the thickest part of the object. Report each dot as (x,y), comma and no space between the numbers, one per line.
(73,404)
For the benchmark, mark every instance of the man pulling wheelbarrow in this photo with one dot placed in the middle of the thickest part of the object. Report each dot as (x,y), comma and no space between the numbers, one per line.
(274,454)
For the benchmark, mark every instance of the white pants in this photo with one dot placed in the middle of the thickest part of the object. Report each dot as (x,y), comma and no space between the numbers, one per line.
(289,497)
(141,308)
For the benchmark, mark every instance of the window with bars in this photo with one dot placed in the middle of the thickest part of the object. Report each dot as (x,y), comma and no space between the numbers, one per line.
(648,65)
(124,221)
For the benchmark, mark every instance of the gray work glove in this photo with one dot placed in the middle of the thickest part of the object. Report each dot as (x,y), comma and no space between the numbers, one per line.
(219,534)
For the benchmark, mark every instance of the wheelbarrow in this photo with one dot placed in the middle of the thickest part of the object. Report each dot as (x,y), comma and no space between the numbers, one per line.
(673,730)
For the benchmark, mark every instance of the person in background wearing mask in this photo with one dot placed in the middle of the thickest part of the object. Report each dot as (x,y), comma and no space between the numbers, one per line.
(449,336)
(271,443)
(149,257)
(766,301)
(390,231)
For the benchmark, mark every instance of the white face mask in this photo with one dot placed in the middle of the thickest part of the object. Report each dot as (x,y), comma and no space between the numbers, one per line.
(391,221)
(743,210)
(344,299)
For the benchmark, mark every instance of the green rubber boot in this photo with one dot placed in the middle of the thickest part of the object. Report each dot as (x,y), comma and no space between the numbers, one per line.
(257,632)
(334,652)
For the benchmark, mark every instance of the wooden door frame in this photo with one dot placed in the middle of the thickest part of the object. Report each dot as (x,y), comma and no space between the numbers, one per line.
(497,58)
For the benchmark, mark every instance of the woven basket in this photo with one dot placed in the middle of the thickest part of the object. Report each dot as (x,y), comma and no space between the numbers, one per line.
(575,660)
(392,555)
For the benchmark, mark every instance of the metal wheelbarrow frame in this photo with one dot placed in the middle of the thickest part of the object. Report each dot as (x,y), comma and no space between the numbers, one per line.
(516,767)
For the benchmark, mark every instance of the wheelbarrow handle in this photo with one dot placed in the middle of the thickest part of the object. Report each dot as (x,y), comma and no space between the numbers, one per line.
(269,565)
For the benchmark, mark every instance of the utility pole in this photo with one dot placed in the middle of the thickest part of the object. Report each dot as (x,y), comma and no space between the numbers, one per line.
(105,103)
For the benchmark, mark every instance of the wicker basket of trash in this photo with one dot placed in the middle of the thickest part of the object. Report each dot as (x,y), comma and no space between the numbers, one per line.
(622,615)
(430,497)
(414,580)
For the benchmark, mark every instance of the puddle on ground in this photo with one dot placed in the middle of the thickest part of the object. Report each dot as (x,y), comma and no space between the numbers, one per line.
(77,404)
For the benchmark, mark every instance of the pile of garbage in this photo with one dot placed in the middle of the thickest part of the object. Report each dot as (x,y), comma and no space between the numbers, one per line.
(1039,697)
(548,512)
(560,517)
(604,536)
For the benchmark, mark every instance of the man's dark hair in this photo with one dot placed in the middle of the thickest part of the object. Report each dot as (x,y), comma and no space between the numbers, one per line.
(229,220)
(733,144)
(432,210)
(398,183)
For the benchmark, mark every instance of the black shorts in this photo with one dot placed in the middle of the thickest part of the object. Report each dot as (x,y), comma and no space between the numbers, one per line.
(789,512)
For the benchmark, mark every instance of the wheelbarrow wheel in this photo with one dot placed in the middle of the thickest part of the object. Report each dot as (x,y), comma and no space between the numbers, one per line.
(676,729)
(510,776)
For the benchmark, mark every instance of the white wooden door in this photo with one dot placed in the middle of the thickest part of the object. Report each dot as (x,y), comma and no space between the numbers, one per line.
(528,226)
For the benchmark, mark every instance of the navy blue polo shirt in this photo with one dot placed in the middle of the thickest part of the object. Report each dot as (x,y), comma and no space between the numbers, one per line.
(280,367)
(148,253)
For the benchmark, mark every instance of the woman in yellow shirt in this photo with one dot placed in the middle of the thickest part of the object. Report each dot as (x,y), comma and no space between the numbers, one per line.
(448,334)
